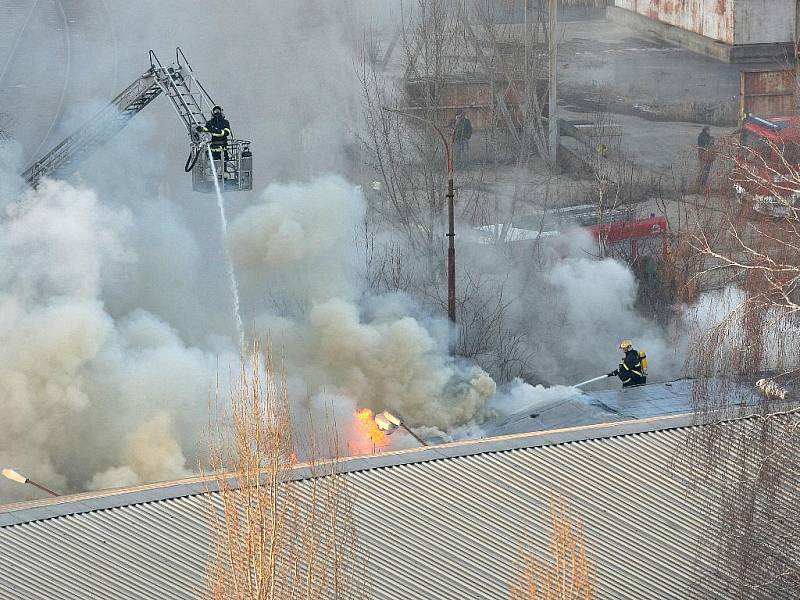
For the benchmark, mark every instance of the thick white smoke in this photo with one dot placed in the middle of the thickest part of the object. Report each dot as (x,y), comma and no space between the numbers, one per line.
(297,247)
(84,392)
(127,386)
(570,309)
(592,305)
(115,317)
(95,398)
(115,320)
(151,454)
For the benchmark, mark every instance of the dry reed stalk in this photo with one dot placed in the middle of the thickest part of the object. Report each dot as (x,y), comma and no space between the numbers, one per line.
(567,573)
(277,536)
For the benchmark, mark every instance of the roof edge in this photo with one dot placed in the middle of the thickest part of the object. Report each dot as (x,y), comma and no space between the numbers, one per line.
(49,508)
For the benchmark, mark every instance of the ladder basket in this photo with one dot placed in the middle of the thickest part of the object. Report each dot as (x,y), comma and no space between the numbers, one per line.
(234,167)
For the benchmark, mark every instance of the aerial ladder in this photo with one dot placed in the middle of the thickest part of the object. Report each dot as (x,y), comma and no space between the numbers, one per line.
(192,103)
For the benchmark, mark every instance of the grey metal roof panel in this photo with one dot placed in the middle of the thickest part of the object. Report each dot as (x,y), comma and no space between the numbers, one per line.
(438,523)
(46,508)
(645,401)
(568,412)
(604,406)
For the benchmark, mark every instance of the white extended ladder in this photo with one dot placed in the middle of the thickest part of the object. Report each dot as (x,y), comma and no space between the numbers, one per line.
(186,94)
(177,81)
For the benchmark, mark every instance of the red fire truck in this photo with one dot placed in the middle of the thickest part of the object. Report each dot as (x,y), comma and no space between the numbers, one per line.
(630,236)
(621,235)
(766,174)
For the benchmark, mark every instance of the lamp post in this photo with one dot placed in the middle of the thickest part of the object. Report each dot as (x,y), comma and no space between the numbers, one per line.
(390,423)
(552,102)
(451,234)
(18,478)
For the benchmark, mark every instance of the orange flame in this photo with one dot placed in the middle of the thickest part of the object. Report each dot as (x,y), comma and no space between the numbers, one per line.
(368,436)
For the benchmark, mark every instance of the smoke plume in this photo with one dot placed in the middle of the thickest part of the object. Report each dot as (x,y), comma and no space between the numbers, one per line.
(115,314)
(297,247)
(77,381)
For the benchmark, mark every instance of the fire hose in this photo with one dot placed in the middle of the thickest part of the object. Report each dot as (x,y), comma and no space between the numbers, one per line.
(194,154)
(201,138)
(588,381)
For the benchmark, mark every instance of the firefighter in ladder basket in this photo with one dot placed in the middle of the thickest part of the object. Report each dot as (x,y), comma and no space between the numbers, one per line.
(219,128)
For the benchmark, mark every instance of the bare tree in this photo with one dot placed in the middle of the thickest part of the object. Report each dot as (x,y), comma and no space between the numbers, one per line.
(754,256)
(567,573)
(456,56)
(278,535)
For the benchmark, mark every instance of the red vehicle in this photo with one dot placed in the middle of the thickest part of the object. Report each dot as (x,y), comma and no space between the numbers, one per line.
(625,238)
(767,165)
(629,235)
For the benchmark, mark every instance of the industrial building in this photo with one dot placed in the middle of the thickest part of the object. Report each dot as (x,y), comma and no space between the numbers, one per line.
(729,30)
(442,522)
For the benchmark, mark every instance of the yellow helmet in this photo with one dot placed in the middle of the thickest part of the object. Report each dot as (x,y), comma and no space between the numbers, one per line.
(625,345)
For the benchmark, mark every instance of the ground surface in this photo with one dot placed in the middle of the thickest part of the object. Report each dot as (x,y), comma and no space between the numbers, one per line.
(658,94)
(56,55)
(604,63)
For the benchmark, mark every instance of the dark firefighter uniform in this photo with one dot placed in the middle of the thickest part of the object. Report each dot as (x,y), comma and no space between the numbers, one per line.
(219,128)
(632,370)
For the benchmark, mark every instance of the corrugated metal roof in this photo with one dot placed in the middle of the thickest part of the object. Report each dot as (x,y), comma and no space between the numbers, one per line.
(438,523)
(602,406)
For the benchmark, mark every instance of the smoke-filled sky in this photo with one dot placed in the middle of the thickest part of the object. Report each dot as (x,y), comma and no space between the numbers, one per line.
(116,317)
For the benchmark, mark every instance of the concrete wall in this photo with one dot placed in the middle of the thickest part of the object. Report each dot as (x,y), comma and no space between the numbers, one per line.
(728,21)
(711,18)
(764,21)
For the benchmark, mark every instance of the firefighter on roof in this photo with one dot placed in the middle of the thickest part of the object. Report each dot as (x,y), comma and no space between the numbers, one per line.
(633,368)
(219,128)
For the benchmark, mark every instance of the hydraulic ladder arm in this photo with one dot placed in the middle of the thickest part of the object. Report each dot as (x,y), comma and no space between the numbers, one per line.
(191,102)
(63,160)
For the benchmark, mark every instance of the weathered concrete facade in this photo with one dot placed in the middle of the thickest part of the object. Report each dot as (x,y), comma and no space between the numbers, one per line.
(712,18)
(763,21)
(731,30)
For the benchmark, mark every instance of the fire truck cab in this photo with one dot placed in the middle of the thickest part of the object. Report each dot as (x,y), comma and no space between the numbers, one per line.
(767,165)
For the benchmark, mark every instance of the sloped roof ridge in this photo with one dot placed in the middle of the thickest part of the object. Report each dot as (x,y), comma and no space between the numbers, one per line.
(62,506)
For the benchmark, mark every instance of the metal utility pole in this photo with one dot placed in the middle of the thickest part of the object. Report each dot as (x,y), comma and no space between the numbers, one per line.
(526,50)
(389,423)
(451,233)
(41,487)
(552,101)
(451,236)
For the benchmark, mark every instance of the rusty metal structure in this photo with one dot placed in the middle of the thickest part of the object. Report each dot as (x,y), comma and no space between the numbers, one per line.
(475,95)
(732,22)
(768,93)
(710,18)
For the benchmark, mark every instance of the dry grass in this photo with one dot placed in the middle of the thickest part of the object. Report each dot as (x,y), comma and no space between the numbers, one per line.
(567,573)
(277,538)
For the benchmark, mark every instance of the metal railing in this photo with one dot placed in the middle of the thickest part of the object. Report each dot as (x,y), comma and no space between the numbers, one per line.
(234,169)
